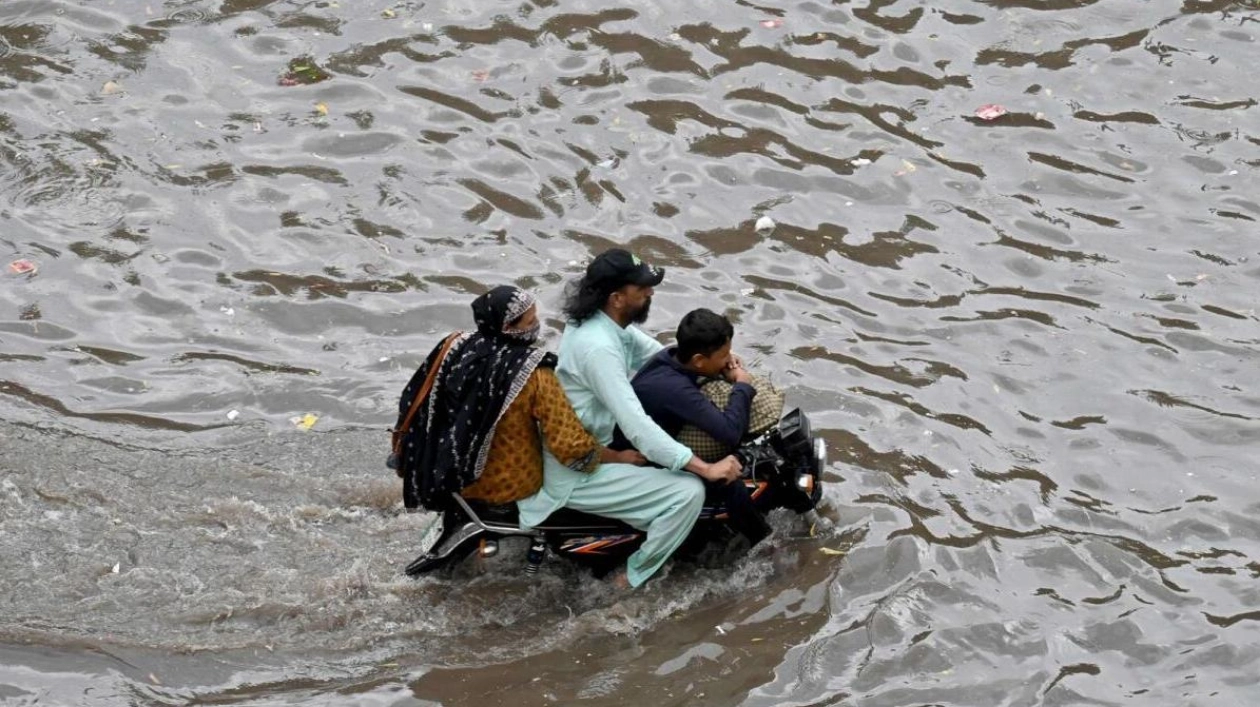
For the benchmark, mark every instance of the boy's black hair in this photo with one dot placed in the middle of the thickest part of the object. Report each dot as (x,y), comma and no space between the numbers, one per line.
(702,331)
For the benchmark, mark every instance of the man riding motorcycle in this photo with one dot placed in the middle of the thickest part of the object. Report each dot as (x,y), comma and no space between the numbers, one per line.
(599,351)
(477,384)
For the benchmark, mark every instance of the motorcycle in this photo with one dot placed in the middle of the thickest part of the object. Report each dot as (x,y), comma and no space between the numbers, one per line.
(782,469)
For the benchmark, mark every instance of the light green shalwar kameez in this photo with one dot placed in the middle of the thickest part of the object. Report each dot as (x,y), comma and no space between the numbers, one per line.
(597,359)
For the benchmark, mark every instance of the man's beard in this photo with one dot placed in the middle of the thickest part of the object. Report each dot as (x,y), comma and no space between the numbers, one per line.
(642,314)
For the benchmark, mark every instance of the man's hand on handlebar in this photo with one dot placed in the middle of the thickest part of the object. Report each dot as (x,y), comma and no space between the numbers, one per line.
(723,471)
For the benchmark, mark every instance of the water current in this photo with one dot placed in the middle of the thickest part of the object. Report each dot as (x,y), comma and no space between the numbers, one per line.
(1029,340)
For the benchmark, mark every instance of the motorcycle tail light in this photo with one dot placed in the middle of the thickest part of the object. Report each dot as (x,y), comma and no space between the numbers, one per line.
(805,482)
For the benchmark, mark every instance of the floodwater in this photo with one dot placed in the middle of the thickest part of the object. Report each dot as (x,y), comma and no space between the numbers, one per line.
(1030,342)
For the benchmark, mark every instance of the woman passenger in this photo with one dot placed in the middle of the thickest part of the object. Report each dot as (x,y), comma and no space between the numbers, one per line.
(478,433)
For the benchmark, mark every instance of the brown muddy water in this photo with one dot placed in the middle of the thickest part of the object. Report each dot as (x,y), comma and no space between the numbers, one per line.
(1030,342)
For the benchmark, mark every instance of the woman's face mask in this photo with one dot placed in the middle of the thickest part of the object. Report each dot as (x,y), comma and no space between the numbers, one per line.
(526,327)
(528,335)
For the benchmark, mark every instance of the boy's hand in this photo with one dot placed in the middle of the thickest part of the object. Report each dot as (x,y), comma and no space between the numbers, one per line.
(736,373)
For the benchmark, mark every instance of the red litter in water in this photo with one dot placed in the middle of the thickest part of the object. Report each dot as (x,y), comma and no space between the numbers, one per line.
(23,267)
(990,111)
(772,24)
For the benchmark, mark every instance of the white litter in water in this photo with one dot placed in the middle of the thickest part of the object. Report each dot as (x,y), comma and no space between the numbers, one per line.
(232,414)
(765,225)
(860,162)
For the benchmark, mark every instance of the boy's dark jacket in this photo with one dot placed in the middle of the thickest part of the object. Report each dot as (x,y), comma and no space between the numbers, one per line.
(671,396)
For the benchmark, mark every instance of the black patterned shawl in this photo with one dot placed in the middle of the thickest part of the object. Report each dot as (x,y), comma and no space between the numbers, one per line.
(446,446)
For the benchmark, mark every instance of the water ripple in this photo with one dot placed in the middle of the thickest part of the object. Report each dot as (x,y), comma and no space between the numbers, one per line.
(1028,341)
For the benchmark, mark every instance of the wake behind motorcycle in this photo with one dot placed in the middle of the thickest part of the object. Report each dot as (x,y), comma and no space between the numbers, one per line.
(782,469)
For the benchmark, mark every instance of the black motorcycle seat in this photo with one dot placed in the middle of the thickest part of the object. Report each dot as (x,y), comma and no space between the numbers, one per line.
(508,514)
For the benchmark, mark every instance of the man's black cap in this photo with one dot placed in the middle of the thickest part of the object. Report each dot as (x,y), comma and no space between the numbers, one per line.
(615,268)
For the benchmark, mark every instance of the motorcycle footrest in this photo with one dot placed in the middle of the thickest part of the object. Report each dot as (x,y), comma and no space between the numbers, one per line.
(451,546)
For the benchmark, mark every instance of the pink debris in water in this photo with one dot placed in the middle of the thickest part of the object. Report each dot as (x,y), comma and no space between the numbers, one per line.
(480,75)
(990,111)
(23,267)
(772,24)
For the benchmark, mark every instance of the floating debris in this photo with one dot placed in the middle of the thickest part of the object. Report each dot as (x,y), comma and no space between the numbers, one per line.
(860,162)
(765,225)
(23,267)
(110,88)
(233,414)
(303,71)
(305,422)
(990,111)
(772,24)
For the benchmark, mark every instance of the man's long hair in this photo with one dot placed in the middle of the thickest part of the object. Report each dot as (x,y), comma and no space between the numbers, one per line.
(582,301)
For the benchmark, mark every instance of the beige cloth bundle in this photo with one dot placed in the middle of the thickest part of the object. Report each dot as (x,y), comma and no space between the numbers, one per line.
(767,408)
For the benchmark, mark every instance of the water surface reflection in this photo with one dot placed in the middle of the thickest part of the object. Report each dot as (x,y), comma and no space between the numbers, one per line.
(1029,341)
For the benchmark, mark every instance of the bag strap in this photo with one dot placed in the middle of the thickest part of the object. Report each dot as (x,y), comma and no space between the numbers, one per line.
(424,392)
